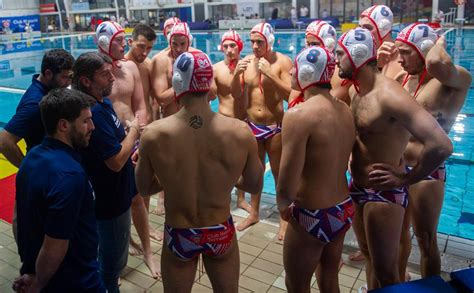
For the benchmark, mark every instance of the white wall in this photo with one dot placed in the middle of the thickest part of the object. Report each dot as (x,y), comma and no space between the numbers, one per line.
(19,7)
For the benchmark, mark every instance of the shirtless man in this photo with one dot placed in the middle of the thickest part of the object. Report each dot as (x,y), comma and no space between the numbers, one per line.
(266,81)
(313,176)
(180,40)
(141,43)
(321,34)
(128,102)
(378,19)
(385,117)
(231,45)
(178,154)
(440,87)
(169,23)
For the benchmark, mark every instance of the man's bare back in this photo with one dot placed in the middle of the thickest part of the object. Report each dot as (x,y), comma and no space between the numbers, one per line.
(323,181)
(208,153)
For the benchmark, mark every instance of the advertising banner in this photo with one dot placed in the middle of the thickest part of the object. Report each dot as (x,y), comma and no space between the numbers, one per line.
(16,24)
(18,47)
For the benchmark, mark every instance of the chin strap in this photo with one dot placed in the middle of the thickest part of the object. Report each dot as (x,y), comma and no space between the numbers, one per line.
(420,82)
(232,64)
(298,100)
(115,62)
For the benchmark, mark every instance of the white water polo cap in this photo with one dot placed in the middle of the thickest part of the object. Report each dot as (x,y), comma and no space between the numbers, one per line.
(381,17)
(324,32)
(169,23)
(192,73)
(106,33)
(313,66)
(181,29)
(266,31)
(419,36)
(360,47)
(232,35)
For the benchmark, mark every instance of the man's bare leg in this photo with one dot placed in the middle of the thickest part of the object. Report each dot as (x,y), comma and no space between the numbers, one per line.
(405,245)
(383,226)
(241,202)
(223,271)
(158,236)
(327,271)
(160,207)
(253,216)
(134,248)
(273,148)
(140,221)
(301,255)
(427,199)
(177,275)
(359,230)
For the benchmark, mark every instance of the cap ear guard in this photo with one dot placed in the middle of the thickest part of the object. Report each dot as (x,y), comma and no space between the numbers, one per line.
(426,46)
(104,42)
(271,41)
(359,51)
(385,27)
(330,44)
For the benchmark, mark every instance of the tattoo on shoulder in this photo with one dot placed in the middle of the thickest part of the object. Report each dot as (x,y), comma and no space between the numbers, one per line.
(195,122)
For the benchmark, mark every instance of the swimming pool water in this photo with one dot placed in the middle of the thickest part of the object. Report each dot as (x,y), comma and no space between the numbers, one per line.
(20,60)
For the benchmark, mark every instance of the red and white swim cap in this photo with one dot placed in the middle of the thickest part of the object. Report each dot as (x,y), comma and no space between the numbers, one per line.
(324,32)
(232,35)
(192,73)
(106,33)
(420,36)
(314,65)
(181,29)
(169,23)
(360,47)
(266,31)
(381,17)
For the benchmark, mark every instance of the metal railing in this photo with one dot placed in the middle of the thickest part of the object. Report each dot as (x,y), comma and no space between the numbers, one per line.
(450,17)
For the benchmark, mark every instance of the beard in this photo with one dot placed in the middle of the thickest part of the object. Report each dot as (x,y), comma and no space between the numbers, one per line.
(55,83)
(345,74)
(79,140)
(107,91)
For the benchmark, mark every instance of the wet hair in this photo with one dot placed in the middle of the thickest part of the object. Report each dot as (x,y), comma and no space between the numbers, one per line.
(62,103)
(143,30)
(56,60)
(86,65)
